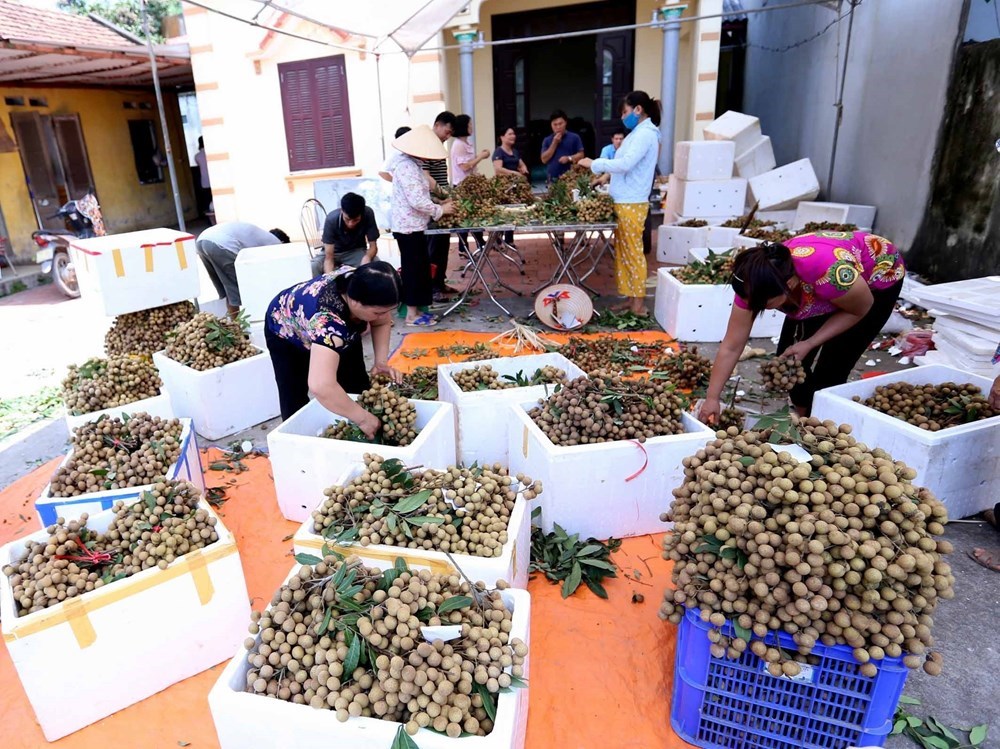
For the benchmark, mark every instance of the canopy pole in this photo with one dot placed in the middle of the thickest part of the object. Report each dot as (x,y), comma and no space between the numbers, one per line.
(669,16)
(466,36)
(381,115)
(163,120)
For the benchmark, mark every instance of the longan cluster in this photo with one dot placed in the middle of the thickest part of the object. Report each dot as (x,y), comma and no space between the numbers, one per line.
(781,373)
(397,414)
(596,208)
(113,453)
(145,332)
(466,510)
(732,417)
(607,408)
(98,384)
(837,550)
(931,407)
(509,188)
(163,525)
(484,377)
(605,353)
(206,342)
(687,369)
(304,648)
(716,269)
(814,226)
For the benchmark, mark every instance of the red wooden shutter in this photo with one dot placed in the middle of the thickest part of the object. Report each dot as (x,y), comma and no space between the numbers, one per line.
(316,113)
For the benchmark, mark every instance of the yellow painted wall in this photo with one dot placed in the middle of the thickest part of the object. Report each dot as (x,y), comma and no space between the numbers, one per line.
(126,204)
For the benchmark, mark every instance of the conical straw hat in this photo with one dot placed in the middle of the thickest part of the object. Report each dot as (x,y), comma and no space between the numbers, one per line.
(564,307)
(422,143)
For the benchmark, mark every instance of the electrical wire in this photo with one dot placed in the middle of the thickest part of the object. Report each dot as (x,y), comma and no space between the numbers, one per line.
(802,42)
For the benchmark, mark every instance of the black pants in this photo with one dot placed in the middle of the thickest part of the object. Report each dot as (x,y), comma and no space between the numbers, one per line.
(291,371)
(438,246)
(831,363)
(415,267)
(463,242)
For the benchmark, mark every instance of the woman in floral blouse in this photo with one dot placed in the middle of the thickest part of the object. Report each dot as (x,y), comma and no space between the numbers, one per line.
(412,210)
(313,333)
(837,289)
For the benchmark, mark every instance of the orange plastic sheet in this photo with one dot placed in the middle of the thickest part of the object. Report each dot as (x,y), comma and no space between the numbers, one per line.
(601,670)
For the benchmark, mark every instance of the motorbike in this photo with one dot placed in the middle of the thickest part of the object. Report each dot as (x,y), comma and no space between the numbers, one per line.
(53,247)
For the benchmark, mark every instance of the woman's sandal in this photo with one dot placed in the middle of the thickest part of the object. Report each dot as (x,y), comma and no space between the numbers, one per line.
(988,558)
(426,320)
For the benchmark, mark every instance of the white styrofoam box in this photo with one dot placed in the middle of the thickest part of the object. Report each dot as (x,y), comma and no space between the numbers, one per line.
(217,307)
(974,361)
(481,421)
(757,159)
(785,186)
(717,197)
(956,324)
(704,159)
(511,565)
(808,211)
(186,468)
(243,719)
(263,272)
(673,243)
(961,464)
(721,236)
(700,312)
(138,270)
(742,129)
(158,405)
(609,489)
(304,464)
(223,400)
(973,299)
(782,219)
(113,639)
(257,335)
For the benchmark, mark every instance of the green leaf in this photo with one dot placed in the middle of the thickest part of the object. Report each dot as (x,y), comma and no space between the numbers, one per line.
(390,522)
(402,740)
(898,726)
(572,582)
(747,460)
(728,552)
(516,682)
(411,503)
(392,467)
(149,499)
(914,721)
(706,549)
(454,603)
(400,565)
(942,729)
(904,700)
(353,656)
(742,632)
(589,549)
(418,520)
(596,588)
(598,563)
(936,742)
(99,472)
(325,625)
(489,701)
(977,734)
(308,559)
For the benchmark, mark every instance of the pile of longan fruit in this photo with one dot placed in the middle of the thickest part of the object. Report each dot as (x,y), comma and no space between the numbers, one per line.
(145,332)
(484,377)
(838,550)
(468,510)
(782,373)
(607,408)
(302,647)
(397,414)
(596,208)
(931,407)
(686,368)
(98,384)
(206,342)
(164,524)
(115,453)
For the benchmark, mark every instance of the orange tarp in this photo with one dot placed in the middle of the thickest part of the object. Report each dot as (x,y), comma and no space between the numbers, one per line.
(601,671)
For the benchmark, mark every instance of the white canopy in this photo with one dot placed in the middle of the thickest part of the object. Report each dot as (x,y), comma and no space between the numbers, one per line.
(408,23)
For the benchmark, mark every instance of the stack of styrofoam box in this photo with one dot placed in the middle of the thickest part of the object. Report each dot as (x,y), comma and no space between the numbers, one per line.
(960,464)
(263,272)
(480,415)
(753,154)
(511,565)
(674,242)
(138,270)
(807,212)
(186,468)
(700,312)
(158,405)
(608,489)
(702,184)
(245,719)
(966,325)
(304,464)
(784,187)
(223,400)
(112,640)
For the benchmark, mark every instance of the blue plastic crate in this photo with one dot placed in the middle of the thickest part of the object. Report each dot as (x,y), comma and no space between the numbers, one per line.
(736,704)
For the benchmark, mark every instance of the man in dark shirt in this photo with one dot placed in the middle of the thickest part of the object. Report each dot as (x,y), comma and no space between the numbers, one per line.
(350,234)
(562,149)
(439,244)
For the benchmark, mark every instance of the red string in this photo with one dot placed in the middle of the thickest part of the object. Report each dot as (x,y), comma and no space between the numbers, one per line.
(645,461)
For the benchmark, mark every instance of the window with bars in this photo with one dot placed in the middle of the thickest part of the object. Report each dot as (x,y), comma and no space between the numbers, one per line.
(316,113)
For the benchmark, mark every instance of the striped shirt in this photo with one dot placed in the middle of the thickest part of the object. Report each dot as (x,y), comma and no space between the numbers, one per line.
(438,169)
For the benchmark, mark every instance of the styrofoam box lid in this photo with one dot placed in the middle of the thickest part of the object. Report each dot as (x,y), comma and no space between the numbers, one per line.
(978,295)
(144,238)
(271,252)
(15,551)
(943,321)
(976,347)
(935,374)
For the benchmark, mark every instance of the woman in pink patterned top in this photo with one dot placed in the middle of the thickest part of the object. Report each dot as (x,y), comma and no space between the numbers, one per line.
(837,289)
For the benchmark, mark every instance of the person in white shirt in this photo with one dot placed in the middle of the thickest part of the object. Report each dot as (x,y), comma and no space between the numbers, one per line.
(632,171)
(218,247)
(205,185)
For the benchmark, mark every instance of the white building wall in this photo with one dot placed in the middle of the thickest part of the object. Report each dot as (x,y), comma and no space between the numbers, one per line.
(897,80)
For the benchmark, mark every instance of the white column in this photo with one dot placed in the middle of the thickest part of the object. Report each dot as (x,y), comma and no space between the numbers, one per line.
(668,17)
(466,37)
